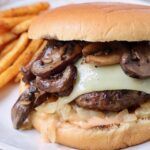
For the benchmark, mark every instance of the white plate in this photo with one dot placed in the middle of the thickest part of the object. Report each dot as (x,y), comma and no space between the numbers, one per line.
(11,139)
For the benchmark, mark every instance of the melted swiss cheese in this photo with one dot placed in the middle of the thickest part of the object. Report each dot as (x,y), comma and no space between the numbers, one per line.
(91,78)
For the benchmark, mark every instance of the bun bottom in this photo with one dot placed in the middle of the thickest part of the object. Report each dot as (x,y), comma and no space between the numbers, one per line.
(114,137)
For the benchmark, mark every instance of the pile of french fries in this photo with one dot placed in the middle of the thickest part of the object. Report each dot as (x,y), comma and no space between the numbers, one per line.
(16,50)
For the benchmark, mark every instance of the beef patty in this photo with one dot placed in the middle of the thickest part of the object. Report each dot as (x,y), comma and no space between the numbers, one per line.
(116,100)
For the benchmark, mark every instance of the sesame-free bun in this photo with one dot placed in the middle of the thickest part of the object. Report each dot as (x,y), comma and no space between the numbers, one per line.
(94,22)
(115,137)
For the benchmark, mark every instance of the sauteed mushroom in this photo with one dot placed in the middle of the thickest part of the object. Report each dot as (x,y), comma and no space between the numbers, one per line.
(61,83)
(92,48)
(103,60)
(25,104)
(136,62)
(106,54)
(27,74)
(56,59)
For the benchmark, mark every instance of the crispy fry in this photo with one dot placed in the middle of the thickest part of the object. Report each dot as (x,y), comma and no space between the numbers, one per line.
(7,48)
(1,47)
(3,28)
(22,27)
(7,75)
(7,37)
(8,59)
(22,60)
(35,55)
(25,10)
(18,77)
(13,21)
(39,51)
(29,52)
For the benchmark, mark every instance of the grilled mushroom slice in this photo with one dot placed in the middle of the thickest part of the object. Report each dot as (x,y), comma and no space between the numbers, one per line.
(60,84)
(56,59)
(27,74)
(25,104)
(106,54)
(136,62)
(103,60)
(92,48)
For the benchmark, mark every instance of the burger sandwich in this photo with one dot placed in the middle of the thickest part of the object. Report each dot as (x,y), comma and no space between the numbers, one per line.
(89,87)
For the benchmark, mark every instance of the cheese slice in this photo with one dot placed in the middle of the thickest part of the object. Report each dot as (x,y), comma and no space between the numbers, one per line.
(91,78)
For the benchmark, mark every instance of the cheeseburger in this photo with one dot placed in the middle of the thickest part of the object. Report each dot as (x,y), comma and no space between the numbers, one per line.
(89,86)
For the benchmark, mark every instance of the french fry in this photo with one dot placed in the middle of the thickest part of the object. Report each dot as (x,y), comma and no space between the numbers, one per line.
(7,48)
(8,59)
(39,51)
(35,55)
(22,27)
(1,47)
(10,22)
(7,37)
(3,28)
(7,75)
(29,52)
(25,10)
(22,60)
(19,77)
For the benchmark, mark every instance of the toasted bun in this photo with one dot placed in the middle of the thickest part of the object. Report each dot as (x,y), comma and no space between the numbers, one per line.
(94,22)
(116,137)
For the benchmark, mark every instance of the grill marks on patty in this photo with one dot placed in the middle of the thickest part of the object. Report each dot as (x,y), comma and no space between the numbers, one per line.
(112,100)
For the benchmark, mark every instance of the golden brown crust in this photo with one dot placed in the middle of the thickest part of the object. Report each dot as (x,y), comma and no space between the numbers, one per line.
(116,137)
(94,22)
